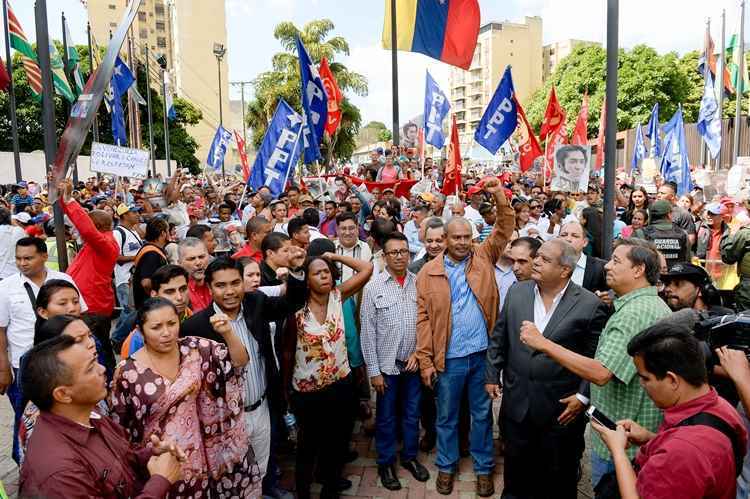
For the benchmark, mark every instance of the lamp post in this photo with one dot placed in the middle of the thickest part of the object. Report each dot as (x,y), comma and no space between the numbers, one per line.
(164,75)
(219,52)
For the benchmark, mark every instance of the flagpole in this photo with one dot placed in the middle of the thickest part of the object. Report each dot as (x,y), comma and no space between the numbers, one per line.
(394,72)
(720,77)
(66,63)
(706,56)
(149,113)
(95,125)
(740,84)
(48,120)
(613,7)
(166,121)
(12,94)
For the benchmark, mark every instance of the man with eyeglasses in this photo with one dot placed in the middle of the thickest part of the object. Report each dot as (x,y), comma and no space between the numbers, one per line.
(389,342)
(535,210)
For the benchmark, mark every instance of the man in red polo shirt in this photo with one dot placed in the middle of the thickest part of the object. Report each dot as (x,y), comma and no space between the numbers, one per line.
(699,446)
(256,229)
(193,257)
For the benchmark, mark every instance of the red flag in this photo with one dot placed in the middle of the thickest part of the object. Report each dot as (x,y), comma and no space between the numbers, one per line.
(600,139)
(334,97)
(420,147)
(554,116)
(452,180)
(528,147)
(4,78)
(580,132)
(243,156)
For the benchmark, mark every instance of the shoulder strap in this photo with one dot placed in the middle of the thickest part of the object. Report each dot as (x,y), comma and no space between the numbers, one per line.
(148,248)
(715,422)
(122,243)
(32,298)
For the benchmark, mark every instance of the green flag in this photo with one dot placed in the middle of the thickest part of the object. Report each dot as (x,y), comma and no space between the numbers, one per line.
(19,42)
(740,82)
(58,74)
(74,63)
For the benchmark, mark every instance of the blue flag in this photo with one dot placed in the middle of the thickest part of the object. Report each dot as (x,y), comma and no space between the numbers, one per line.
(279,151)
(314,105)
(122,80)
(709,119)
(436,106)
(118,122)
(219,148)
(675,165)
(500,117)
(652,132)
(639,148)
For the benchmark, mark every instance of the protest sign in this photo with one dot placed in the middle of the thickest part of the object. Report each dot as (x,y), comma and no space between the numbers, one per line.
(572,166)
(122,161)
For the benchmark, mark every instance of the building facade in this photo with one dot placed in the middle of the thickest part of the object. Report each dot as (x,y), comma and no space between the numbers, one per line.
(185,32)
(499,44)
(555,52)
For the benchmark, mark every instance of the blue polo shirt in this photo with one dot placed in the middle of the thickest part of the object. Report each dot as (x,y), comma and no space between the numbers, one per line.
(468,327)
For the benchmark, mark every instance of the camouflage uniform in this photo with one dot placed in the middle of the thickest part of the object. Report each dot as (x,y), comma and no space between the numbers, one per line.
(735,248)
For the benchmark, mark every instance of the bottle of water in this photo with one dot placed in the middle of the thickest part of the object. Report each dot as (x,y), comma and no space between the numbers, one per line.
(291,426)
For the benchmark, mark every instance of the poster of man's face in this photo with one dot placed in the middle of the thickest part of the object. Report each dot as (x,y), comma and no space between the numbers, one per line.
(409,135)
(572,167)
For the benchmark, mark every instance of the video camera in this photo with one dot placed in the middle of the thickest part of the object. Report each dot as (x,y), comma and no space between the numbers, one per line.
(731,330)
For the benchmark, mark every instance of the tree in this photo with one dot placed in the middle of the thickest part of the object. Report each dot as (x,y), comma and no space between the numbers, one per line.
(31,131)
(372,132)
(283,81)
(644,78)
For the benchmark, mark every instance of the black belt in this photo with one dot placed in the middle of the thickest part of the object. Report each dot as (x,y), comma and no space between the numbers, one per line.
(251,408)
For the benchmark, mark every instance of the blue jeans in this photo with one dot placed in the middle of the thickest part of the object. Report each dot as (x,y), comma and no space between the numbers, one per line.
(599,468)
(18,402)
(405,388)
(459,374)
(127,319)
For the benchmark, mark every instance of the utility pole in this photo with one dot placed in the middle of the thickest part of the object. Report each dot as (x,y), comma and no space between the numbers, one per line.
(394,72)
(150,113)
(242,97)
(740,84)
(610,158)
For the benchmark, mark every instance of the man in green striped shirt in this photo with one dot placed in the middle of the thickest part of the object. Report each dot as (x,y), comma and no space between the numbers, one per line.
(632,274)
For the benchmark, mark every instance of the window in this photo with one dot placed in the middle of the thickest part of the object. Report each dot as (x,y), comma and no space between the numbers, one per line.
(141,16)
(112,25)
(159,25)
(143,33)
(511,54)
(161,42)
(159,9)
(112,7)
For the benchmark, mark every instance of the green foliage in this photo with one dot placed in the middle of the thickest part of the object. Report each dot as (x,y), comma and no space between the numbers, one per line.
(644,78)
(283,81)
(31,131)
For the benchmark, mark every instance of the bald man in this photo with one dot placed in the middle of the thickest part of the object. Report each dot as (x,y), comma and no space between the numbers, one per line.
(93,267)
(589,271)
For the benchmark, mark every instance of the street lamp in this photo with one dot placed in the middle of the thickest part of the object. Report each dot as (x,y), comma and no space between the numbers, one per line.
(219,52)
(162,60)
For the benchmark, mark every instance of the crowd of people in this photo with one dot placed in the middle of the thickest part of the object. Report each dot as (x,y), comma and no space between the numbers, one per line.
(204,331)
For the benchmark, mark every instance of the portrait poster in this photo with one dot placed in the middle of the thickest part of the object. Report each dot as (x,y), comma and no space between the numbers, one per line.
(571,168)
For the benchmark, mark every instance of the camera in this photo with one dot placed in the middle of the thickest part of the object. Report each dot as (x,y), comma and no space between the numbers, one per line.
(731,330)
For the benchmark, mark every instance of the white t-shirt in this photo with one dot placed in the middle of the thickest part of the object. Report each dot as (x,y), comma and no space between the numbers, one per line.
(9,236)
(178,213)
(18,316)
(129,247)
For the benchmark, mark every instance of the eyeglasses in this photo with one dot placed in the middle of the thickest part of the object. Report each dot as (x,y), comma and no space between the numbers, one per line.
(534,207)
(402,252)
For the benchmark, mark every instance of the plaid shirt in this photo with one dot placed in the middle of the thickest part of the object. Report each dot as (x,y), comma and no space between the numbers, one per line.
(623,397)
(389,322)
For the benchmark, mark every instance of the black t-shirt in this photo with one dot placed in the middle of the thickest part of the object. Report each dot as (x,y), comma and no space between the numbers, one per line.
(147,265)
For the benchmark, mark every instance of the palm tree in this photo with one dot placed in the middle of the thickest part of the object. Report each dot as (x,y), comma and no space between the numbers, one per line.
(283,81)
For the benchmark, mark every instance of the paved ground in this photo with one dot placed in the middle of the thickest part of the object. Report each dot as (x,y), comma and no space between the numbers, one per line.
(362,472)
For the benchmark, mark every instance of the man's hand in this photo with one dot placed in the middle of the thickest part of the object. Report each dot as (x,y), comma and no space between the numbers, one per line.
(427,375)
(412,364)
(221,324)
(378,383)
(573,407)
(637,434)
(735,364)
(65,189)
(282,273)
(492,185)
(162,446)
(165,465)
(6,379)
(531,336)
(493,391)
(614,440)
(296,257)
(604,296)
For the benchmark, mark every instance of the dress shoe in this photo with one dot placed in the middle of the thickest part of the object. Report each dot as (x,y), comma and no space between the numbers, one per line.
(388,477)
(444,482)
(427,443)
(416,469)
(485,487)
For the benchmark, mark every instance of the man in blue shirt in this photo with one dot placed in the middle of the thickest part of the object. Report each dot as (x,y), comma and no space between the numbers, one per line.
(22,199)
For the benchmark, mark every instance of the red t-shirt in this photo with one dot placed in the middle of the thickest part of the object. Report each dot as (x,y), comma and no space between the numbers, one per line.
(247,251)
(200,296)
(690,461)
(401,280)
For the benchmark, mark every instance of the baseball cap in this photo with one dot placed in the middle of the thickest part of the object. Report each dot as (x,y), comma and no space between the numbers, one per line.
(124,208)
(687,271)
(40,219)
(23,184)
(427,196)
(660,209)
(22,217)
(305,198)
(474,189)
(715,209)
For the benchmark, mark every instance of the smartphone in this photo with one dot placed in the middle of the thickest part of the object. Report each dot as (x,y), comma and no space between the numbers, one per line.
(595,414)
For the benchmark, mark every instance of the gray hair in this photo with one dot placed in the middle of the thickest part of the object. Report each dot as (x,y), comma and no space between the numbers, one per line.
(433,223)
(458,220)
(568,254)
(188,242)
(440,196)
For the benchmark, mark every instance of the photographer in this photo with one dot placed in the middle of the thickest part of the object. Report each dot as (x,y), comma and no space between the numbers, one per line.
(737,367)
(689,286)
(697,450)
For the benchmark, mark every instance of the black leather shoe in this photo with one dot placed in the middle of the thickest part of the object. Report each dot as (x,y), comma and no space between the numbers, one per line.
(416,469)
(388,477)
(427,443)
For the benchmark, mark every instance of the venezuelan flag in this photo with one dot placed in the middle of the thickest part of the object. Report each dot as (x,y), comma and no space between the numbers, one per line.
(445,30)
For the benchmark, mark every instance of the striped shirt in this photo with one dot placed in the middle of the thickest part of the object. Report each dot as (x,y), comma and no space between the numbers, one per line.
(468,326)
(389,323)
(255,373)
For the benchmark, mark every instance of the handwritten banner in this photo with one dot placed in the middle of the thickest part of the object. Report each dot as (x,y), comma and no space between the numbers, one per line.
(122,161)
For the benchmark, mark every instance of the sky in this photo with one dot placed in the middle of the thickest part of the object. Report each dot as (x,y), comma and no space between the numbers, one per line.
(666,25)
